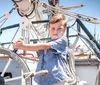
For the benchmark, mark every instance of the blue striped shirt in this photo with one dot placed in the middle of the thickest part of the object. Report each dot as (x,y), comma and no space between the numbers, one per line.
(53,61)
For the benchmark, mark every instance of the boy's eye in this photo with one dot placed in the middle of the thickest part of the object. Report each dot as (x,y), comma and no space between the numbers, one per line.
(59,28)
(53,28)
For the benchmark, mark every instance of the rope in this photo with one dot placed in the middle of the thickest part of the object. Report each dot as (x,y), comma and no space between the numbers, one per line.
(6,17)
(71,64)
(14,37)
(97,82)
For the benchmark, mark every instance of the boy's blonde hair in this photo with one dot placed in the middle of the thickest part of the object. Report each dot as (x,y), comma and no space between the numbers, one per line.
(57,18)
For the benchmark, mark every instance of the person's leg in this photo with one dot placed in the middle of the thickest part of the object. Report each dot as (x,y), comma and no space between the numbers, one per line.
(2,82)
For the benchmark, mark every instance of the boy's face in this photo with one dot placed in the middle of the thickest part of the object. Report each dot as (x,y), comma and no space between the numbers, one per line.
(56,30)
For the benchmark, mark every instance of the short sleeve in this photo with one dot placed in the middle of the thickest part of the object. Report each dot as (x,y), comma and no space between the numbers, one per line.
(59,45)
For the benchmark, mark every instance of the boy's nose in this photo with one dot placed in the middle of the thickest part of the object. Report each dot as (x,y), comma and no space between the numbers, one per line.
(56,31)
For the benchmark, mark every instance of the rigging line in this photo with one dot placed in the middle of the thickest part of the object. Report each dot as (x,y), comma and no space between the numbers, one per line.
(32,15)
(47,6)
(13,37)
(75,11)
(32,35)
(36,31)
(52,12)
(2,16)
(33,28)
(3,22)
(36,12)
(52,8)
(92,52)
(98,59)
(41,30)
(6,16)
(70,26)
(86,45)
(39,15)
(75,15)
(38,26)
(95,31)
(81,38)
(92,45)
(28,32)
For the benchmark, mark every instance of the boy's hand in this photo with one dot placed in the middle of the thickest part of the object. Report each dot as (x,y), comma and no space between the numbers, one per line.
(18,44)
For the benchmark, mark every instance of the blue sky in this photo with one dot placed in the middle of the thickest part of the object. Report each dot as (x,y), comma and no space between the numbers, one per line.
(91,8)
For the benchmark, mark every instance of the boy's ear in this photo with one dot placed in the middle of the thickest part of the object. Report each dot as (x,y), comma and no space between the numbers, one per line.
(64,28)
(64,22)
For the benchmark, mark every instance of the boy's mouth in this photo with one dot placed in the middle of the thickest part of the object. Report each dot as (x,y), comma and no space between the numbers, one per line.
(55,34)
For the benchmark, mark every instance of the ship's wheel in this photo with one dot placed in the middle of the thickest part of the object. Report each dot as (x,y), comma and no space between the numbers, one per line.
(25,75)
(24,68)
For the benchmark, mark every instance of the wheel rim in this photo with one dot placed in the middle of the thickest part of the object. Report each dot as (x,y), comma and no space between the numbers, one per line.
(20,61)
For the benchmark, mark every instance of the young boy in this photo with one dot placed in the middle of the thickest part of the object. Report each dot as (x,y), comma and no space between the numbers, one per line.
(52,55)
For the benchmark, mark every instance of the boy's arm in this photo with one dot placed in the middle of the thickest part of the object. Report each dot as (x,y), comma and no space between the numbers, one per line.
(35,47)
(31,47)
